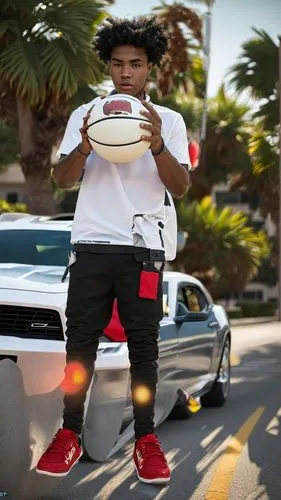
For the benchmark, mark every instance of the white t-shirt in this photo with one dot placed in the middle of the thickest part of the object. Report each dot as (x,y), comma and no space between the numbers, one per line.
(127,204)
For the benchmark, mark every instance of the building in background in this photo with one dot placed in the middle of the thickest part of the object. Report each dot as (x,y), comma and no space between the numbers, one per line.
(12,184)
(239,201)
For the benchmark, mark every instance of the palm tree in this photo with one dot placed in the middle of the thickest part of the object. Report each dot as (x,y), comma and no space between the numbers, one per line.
(258,74)
(261,179)
(225,145)
(221,249)
(228,135)
(45,55)
(188,105)
(180,64)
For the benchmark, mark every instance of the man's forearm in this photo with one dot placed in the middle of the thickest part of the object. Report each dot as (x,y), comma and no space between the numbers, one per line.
(69,169)
(173,175)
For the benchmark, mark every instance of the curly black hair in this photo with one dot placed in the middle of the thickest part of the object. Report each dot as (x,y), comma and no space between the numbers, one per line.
(143,32)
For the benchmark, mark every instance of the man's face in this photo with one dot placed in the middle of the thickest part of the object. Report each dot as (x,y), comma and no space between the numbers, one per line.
(129,69)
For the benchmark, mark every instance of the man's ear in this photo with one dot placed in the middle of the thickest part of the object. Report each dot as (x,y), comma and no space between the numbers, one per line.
(150,66)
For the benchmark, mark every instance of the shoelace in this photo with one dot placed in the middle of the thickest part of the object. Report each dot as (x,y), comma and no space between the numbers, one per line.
(59,445)
(152,449)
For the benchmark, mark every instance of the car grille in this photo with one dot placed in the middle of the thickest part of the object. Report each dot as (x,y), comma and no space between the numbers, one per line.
(30,323)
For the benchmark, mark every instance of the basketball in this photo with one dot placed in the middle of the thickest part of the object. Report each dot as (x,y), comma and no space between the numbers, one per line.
(114,129)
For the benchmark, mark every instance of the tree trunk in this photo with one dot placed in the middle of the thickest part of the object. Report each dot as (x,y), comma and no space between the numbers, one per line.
(35,161)
(39,196)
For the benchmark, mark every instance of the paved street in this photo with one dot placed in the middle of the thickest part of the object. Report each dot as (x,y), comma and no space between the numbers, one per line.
(218,454)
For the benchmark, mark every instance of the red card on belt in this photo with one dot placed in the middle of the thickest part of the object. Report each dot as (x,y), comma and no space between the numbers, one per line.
(148,285)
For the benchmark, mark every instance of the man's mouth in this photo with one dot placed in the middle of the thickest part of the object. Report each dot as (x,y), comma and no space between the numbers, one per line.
(126,85)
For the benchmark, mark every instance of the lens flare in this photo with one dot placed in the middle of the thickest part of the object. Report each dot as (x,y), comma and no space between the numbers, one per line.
(142,395)
(74,378)
(193,405)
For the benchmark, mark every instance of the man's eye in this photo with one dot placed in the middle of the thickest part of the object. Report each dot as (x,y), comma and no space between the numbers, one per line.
(136,65)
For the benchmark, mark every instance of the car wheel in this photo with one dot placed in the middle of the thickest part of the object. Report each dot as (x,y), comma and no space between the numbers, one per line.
(219,393)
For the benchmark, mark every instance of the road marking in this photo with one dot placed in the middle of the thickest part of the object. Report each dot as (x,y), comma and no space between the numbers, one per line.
(223,475)
(234,360)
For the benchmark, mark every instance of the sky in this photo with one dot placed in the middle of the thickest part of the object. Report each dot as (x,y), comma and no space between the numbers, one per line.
(232,22)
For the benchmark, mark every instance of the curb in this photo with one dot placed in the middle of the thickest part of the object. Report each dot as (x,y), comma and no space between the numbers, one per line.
(253,321)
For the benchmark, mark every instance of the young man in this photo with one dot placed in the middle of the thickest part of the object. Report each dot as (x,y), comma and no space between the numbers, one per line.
(124,224)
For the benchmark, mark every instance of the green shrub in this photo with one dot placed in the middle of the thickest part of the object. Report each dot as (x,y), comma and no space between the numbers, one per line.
(12,207)
(234,314)
(251,308)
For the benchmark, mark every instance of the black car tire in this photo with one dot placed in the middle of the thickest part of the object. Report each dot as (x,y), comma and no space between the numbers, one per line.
(218,395)
(180,412)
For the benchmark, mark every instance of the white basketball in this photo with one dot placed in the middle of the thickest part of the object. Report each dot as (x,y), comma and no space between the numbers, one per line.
(114,128)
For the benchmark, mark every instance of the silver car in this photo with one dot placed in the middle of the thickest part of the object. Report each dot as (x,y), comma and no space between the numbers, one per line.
(194,344)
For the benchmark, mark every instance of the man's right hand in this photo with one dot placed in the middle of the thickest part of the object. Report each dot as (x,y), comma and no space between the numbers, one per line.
(85,146)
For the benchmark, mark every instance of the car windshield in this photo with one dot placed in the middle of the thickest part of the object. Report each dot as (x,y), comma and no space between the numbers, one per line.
(36,247)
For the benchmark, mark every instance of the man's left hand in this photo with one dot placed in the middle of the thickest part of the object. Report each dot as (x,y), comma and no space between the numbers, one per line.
(155,127)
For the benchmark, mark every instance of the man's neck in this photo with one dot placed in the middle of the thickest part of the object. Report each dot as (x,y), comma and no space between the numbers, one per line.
(141,95)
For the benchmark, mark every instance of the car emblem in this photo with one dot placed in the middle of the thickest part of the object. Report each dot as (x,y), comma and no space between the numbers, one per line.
(39,325)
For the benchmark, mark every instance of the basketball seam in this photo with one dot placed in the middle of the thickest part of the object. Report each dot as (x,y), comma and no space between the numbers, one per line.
(117,96)
(118,117)
(115,145)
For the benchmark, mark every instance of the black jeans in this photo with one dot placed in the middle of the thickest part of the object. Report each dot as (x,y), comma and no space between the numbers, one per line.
(96,279)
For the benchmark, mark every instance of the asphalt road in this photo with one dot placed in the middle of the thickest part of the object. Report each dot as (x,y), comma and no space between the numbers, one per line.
(229,453)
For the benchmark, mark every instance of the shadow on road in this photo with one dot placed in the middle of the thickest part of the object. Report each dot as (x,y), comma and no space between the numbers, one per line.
(27,424)
(192,446)
(263,368)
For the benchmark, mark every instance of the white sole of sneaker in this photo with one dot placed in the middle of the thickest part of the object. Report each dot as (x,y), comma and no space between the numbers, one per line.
(157,480)
(59,474)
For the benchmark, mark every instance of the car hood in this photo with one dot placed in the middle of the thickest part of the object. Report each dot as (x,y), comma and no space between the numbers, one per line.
(32,278)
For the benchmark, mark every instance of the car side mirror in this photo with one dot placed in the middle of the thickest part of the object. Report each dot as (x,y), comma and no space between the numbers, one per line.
(192,316)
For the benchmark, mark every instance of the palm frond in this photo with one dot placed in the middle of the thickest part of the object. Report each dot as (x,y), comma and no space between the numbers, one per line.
(258,71)
(268,114)
(21,68)
(67,70)
(220,242)
(264,154)
(48,46)
(184,28)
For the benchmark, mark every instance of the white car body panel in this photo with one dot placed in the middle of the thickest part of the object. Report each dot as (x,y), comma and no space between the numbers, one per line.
(40,362)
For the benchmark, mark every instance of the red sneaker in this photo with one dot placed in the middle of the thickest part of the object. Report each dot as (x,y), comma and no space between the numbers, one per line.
(61,455)
(150,462)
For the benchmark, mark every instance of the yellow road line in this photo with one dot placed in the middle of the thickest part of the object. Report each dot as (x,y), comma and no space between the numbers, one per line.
(223,475)
(234,360)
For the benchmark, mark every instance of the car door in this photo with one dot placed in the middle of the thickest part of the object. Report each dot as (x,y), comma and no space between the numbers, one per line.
(168,360)
(196,330)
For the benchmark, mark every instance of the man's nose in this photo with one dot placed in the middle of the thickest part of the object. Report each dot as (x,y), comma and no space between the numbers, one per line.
(126,72)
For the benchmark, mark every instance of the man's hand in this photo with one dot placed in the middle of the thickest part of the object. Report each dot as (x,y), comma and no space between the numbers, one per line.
(155,127)
(85,146)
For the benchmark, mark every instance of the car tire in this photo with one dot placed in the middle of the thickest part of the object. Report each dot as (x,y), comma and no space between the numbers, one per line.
(180,412)
(219,393)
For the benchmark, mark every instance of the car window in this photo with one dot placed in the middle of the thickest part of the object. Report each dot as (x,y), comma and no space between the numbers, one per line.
(190,299)
(36,247)
(181,308)
(195,299)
